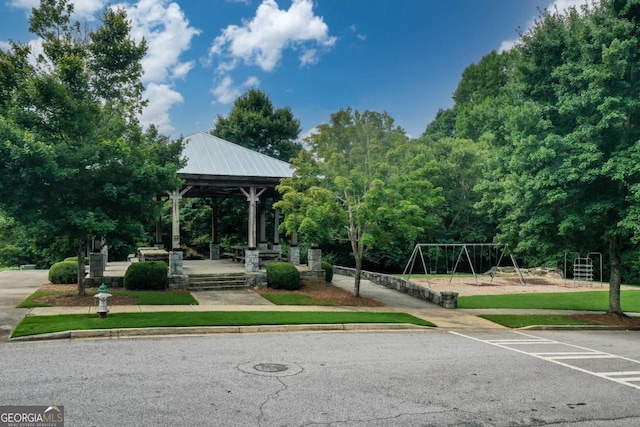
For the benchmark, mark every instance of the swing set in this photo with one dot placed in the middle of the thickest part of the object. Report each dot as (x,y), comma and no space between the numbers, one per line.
(441,257)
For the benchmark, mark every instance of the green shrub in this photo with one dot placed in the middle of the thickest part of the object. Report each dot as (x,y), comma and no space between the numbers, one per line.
(328,271)
(64,272)
(150,275)
(283,275)
(75,259)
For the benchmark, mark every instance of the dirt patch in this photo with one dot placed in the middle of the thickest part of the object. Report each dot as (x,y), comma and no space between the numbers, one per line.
(624,322)
(328,293)
(466,286)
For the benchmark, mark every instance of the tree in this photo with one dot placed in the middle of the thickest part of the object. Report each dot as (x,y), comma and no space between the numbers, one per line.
(478,95)
(567,169)
(255,124)
(462,165)
(362,181)
(74,162)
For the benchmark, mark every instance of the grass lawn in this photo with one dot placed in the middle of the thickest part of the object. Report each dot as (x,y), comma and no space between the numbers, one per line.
(522,320)
(32,325)
(293,299)
(590,301)
(142,298)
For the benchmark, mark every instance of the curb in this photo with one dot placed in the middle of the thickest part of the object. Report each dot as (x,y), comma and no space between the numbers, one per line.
(212,330)
(573,328)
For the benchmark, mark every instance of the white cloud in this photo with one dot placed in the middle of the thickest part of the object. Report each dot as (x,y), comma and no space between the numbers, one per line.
(252,81)
(561,6)
(82,10)
(181,70)
(262,40)
(564,5)
(161,98)
(360,36)
(507,45)
(309,57)
(168,35)
(226,92)
(4,45)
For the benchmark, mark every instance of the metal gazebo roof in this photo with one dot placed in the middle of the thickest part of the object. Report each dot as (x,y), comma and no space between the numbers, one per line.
(218,167)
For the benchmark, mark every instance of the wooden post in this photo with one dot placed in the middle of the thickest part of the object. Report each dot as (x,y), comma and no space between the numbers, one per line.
(175,197)
(276,226)
(252,197)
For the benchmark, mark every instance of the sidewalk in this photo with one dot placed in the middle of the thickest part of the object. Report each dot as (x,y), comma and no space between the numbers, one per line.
(246,300)
(15,286)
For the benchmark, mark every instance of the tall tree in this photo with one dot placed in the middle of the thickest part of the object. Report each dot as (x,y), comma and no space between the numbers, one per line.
(74,163)
(362,181)
(478,95)
(254,123)
(567,173)
(462,164)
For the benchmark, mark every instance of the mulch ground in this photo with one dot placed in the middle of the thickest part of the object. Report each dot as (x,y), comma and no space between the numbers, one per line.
(624,322)
(329,293)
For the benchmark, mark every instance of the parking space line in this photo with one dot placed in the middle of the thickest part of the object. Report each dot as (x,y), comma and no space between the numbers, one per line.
(590,356)
(562,358)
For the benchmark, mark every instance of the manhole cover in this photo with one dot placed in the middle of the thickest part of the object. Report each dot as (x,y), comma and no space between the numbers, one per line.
(271,369)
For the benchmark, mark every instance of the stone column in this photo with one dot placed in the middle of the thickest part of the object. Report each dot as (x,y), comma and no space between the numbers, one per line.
(214,251)
(252,260)
(315,259)
(96,264)
(175,263)
(294,255)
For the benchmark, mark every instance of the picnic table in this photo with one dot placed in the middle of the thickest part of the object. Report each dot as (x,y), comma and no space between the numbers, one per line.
(236,253)
(152,254)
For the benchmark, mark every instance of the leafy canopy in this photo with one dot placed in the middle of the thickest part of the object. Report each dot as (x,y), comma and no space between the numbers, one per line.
(254,123)
(74,162)
(362,180)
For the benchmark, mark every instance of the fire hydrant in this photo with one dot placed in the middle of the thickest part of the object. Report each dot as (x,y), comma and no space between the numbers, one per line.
(102,300)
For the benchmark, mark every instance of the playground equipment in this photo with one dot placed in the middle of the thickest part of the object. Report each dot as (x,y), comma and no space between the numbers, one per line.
(582,268)
(442,257)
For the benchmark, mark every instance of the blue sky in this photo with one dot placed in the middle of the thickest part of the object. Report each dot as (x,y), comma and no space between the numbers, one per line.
(315,56)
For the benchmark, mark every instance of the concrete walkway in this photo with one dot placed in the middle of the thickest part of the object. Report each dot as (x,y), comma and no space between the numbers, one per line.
(15,286)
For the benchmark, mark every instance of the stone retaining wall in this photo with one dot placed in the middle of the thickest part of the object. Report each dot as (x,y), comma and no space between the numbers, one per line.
(110,281)
(443,299)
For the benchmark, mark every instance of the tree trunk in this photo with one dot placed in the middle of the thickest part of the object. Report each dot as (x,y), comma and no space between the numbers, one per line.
(356,284)
(81,269)
(615,259)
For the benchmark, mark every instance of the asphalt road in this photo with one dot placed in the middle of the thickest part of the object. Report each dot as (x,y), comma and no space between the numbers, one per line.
(432,378)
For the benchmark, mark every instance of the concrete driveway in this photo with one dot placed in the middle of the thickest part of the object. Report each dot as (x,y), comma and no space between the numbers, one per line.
(15,286)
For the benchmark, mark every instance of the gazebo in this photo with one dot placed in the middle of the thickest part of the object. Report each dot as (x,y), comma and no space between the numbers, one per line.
(217,168)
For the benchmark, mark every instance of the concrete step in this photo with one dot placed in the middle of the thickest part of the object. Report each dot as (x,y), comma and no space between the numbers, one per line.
(208,282)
